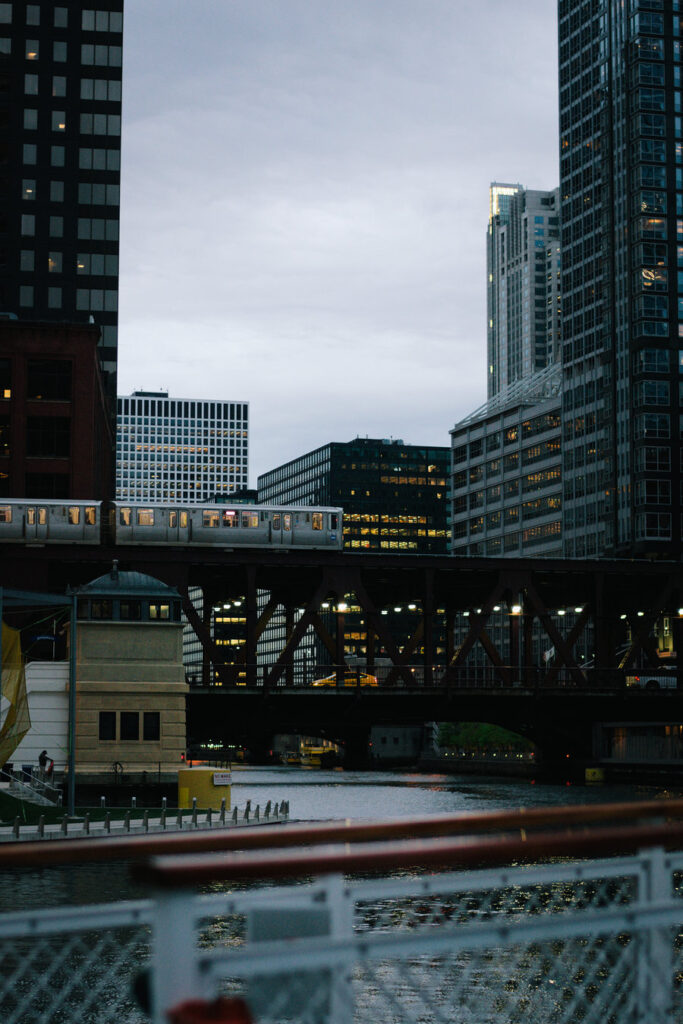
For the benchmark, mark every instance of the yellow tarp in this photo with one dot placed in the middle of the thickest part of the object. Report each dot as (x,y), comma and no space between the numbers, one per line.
(14,717)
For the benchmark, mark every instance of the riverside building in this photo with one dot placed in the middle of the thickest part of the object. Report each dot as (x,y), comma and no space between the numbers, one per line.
(60,147)
(621,195)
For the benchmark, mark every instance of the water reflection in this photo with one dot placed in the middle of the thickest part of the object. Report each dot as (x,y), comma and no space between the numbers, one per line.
(318,796)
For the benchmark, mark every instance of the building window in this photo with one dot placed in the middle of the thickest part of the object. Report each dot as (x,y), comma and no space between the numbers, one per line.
(27,260)
(151,726)
(29,153)
(99,159)
(49,379)
(57,156)
(130,725)
(58,85)
(159,610)
(28,224)
(58,121)
(54,263)
(31,85)
(30,119)
(5,14)
(61,17)
(130,610)
(28,189)
(101,56)
(54,298)
(31,50)
(26,295)
(48,437)
(56,227)
(107,725)
(101,89)
(59,51)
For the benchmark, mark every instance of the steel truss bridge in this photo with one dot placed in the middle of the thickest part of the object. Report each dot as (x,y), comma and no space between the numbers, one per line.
(556,704)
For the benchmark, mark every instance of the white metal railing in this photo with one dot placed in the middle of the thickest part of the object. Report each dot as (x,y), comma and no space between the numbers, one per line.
(427,937)
(145,823)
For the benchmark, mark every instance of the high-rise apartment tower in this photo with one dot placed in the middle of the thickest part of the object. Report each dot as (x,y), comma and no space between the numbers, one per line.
(60,148)
(523,266)
(621,187)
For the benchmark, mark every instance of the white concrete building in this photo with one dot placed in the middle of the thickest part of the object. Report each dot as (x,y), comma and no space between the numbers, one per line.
(178,449)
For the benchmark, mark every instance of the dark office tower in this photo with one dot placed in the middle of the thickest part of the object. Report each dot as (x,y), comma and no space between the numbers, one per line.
(60,148)
(621,186)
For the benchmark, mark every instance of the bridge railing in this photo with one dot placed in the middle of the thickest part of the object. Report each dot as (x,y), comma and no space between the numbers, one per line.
(323,678)
(557,915)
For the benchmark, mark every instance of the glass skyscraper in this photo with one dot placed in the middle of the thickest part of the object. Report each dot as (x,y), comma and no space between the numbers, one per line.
(60,149)
(621,193)
(523,276)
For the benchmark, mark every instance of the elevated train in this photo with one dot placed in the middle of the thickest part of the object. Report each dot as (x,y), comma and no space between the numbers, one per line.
(35,522)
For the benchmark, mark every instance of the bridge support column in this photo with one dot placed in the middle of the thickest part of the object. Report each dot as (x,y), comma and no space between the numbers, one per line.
(357,748)
(207,612)
(260,748)
(289,629)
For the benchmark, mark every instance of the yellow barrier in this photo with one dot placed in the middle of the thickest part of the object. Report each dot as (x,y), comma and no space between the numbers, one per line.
(208,785)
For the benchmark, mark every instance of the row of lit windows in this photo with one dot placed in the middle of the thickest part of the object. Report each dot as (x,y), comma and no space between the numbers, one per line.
(413,480)
(358,517)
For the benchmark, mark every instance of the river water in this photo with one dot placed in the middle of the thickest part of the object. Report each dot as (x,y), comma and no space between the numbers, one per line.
(318,795)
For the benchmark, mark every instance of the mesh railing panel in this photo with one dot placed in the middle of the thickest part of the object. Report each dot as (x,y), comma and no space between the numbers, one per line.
(73,978)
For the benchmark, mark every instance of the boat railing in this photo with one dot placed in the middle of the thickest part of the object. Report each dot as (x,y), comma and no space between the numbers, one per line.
(552,914)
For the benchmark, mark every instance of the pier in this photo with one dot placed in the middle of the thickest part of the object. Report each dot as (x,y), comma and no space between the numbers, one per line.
(550,914)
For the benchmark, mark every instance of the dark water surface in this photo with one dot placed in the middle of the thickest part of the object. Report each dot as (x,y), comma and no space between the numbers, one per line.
(316,795)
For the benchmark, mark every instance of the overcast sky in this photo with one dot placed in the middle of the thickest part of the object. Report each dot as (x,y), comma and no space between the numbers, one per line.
(304,205)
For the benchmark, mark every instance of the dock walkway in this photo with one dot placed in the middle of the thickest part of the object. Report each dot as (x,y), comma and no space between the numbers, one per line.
(141,822)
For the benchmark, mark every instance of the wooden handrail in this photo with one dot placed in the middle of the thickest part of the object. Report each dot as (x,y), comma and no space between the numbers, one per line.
(190,871)
(94,849)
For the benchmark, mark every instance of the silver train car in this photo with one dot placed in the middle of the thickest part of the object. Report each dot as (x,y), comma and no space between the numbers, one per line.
(23,521)
(225,526)
(27,521)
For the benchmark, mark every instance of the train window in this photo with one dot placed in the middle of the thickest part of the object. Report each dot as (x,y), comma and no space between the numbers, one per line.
(42,517)
(124,516)
(90,516)
(159,611)
(210,518)
(230,518)
(31,516)
(145,517)
(317,520)
(334,518)
(5,513)
(172,518)
(249,520)
(287,521)
(276,520)
(74,515)
(183,520)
